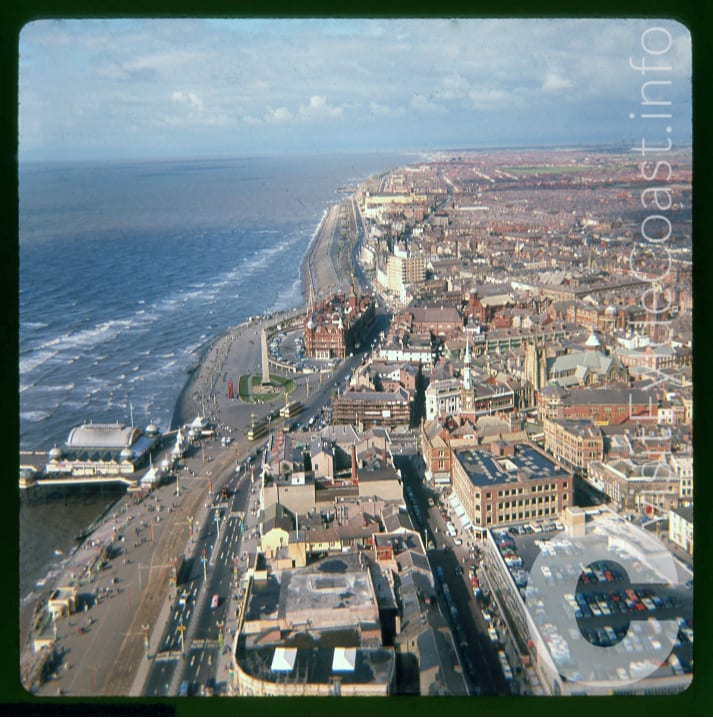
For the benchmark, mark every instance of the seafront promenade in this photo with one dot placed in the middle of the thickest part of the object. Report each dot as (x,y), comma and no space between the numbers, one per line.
(323,268)
(102,649)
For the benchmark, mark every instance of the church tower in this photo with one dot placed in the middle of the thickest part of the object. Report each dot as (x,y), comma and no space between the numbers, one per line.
(536,365)
(467,392)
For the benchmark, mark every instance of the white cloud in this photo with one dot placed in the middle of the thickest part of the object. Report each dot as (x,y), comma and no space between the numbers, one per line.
(277,116)
(97,78)
(453,87)
(554,82)
(187,98)
(380,110)
(318,108)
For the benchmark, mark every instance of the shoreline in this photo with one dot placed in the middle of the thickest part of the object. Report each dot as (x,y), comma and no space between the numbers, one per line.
(185,404)
(305,265)
(315,269)
(317,274)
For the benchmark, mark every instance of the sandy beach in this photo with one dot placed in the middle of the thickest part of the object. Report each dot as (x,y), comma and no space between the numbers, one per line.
(321,271)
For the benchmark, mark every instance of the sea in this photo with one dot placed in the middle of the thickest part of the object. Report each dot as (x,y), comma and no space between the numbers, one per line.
(127,271)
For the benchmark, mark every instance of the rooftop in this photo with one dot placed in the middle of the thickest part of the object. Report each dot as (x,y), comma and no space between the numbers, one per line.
(317,663)
(525,463)
(315,595)
(598,592)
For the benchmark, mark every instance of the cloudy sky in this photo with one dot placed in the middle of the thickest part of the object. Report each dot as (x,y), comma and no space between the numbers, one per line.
(105,89)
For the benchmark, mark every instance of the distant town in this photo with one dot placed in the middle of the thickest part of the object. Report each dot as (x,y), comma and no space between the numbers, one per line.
(493,365)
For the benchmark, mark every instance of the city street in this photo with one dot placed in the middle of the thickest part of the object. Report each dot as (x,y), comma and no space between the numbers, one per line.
(477,652)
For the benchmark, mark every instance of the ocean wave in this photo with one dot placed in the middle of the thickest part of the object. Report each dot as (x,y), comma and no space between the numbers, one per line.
(88,338)
(101,333)
(36,359)
(75,404)
(33,417)
(57,387)
(33,325)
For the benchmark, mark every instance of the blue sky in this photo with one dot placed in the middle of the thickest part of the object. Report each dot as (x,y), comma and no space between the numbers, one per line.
(132,88)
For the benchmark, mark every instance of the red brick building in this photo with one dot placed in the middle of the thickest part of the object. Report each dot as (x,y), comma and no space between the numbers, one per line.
(574,442)
(439,321)
(602,406)
(335,325)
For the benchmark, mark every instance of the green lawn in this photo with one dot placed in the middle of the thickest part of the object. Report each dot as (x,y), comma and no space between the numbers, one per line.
(244,388)
(283,384)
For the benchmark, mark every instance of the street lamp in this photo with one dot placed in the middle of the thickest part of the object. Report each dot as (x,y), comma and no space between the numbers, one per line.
(145,630)
(182,629)
(220,635)
(204,560)
(217,522)
(190,527)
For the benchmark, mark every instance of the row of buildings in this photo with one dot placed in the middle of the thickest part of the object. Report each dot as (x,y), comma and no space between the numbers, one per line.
(521,347)
(343,594)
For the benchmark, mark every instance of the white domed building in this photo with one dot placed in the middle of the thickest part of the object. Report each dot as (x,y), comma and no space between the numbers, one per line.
(103,450)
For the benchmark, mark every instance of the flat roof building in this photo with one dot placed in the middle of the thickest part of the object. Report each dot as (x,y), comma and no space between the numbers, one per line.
(314,631)
(574,442)
(510,483)
(571,615)
(373,408)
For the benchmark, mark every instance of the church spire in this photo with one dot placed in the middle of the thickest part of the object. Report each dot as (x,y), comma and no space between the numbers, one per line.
(467,378)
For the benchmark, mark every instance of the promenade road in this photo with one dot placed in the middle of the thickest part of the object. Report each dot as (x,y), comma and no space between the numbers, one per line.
(108,657)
